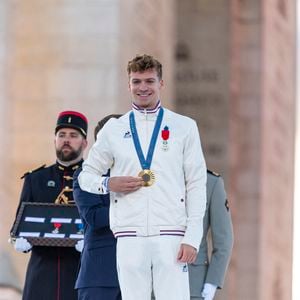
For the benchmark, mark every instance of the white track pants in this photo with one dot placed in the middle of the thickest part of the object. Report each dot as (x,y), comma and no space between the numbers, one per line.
(143,259)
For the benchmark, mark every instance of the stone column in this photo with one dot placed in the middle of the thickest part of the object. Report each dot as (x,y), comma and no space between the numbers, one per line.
(235,75)
(262,133)
(7,202)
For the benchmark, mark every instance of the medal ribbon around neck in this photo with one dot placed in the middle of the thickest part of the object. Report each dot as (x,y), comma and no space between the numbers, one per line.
(146,174)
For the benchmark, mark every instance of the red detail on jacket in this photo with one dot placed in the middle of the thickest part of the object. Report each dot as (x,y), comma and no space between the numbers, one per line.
(165,133)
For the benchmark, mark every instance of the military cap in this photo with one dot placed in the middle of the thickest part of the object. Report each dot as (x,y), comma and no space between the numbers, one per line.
(72,119)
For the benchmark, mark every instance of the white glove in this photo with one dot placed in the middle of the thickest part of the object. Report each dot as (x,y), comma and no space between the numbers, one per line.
(79,245)
(209,291)
(22,245)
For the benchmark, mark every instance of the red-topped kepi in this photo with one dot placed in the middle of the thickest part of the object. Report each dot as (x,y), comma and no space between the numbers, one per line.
(72,119)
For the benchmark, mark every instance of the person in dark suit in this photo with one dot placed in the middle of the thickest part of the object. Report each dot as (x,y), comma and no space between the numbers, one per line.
(51,271)
(206,275)
(97,277)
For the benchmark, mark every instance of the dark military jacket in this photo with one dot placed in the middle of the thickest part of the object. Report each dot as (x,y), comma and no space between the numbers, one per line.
(51,271)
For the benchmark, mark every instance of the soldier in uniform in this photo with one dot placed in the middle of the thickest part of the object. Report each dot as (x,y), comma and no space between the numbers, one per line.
(97,277)
(51,271)
(206,275)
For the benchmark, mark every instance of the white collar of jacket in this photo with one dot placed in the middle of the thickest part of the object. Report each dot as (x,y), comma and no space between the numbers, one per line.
(147,110)
(143,113)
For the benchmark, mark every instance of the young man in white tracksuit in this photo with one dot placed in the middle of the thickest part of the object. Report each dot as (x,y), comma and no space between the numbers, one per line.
(157,185)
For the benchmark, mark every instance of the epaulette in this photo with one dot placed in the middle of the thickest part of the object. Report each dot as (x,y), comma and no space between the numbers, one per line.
(32,171)
(213,173)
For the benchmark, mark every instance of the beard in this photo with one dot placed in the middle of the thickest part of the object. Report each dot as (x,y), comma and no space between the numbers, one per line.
(69,156)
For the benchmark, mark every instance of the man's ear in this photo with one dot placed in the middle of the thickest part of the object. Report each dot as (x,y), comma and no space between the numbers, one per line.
(85,143)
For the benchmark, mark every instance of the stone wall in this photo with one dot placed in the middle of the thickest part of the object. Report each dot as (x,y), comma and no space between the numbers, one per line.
(202,74)
(147,27)
(202,79)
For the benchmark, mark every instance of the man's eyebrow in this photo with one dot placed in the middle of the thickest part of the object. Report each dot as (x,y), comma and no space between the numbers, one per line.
(139,79)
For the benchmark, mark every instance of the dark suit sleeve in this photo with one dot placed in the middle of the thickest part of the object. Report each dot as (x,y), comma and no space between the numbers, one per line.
(222,235)
(93,208)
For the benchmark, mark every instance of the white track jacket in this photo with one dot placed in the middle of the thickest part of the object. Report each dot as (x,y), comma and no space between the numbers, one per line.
(175,203)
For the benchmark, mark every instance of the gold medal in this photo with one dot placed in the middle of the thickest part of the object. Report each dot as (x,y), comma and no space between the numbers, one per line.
(147,176)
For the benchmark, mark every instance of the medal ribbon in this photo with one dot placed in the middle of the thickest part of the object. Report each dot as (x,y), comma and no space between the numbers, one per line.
(145,163)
